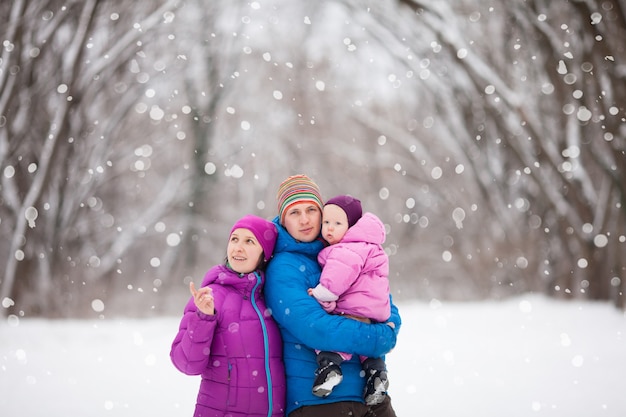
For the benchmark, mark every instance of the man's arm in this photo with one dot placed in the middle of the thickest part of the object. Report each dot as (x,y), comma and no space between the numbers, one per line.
(303,317)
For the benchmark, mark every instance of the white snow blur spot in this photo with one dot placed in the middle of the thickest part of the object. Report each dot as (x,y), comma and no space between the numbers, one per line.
(596,18)
(448,356)
(173,239)
(94,261)
(31,215)
(600,241)
(155,262)
(458,215)
(20,355)
(547,88)
(235,171)
(521,262)
(571,152)
(525,306)
(584,114)
(436,173)
(582,263)
(168,17)
(156,113)
(7,302)
(210,168)
(137,339)
(97,305)
(245,125)
(278,95)
(150,360)
(577,361)
(144,150)
(9,171)
(383,193)
(13,320)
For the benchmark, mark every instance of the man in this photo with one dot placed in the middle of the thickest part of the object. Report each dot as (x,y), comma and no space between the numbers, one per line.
(304,325)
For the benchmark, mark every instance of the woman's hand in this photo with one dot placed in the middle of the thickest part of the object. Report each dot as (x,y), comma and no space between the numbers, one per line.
(203,299)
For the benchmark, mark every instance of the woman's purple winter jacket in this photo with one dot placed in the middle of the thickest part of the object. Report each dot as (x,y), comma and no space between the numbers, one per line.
(238,351)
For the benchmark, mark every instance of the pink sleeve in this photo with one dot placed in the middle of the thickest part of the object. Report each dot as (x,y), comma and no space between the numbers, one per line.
(343,267)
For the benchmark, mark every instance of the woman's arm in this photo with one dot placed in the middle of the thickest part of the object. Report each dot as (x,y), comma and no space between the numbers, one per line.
(191,346)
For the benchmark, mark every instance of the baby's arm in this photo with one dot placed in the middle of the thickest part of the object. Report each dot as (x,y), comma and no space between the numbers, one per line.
(325,297)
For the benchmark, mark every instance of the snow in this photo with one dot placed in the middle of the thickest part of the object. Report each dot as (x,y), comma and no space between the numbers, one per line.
(528,356)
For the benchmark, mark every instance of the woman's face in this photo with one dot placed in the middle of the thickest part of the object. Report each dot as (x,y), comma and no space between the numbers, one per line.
(244,251)
(303,221)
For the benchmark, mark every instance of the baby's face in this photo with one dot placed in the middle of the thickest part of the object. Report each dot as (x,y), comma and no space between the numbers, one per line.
(334,223)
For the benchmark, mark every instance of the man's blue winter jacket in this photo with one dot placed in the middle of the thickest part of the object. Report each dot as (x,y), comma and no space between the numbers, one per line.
(305,326)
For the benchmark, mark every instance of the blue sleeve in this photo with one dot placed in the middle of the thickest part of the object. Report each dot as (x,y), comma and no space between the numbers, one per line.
(305,320)
(395,316)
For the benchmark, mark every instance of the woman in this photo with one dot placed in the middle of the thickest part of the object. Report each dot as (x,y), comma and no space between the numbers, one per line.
(227,335)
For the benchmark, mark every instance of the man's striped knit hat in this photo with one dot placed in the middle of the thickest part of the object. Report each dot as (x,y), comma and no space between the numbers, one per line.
(297,189)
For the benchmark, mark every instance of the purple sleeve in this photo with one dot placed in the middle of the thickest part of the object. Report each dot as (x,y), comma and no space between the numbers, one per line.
(192,345)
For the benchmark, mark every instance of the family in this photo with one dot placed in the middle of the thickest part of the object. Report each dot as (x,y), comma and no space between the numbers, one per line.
(297,320)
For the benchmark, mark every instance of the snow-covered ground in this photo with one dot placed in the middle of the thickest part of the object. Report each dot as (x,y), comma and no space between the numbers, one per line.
(528,356)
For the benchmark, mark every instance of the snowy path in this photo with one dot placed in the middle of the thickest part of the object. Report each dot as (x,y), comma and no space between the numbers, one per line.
(523,357)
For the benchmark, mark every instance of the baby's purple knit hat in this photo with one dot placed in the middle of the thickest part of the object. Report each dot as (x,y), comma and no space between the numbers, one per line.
(349,204)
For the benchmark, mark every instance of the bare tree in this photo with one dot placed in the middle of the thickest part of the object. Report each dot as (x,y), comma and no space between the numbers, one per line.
(490,141)
(56,154)
(537,90)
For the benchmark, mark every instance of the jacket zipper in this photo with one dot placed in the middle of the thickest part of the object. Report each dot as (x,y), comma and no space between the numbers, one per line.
(266,347)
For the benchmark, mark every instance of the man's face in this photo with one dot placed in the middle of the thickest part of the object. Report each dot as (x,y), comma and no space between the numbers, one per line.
(303,221)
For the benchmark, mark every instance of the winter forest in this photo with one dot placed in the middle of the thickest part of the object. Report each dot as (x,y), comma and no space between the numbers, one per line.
(489,136)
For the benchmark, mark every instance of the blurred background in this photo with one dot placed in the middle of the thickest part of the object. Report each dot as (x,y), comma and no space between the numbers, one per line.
(489,136)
